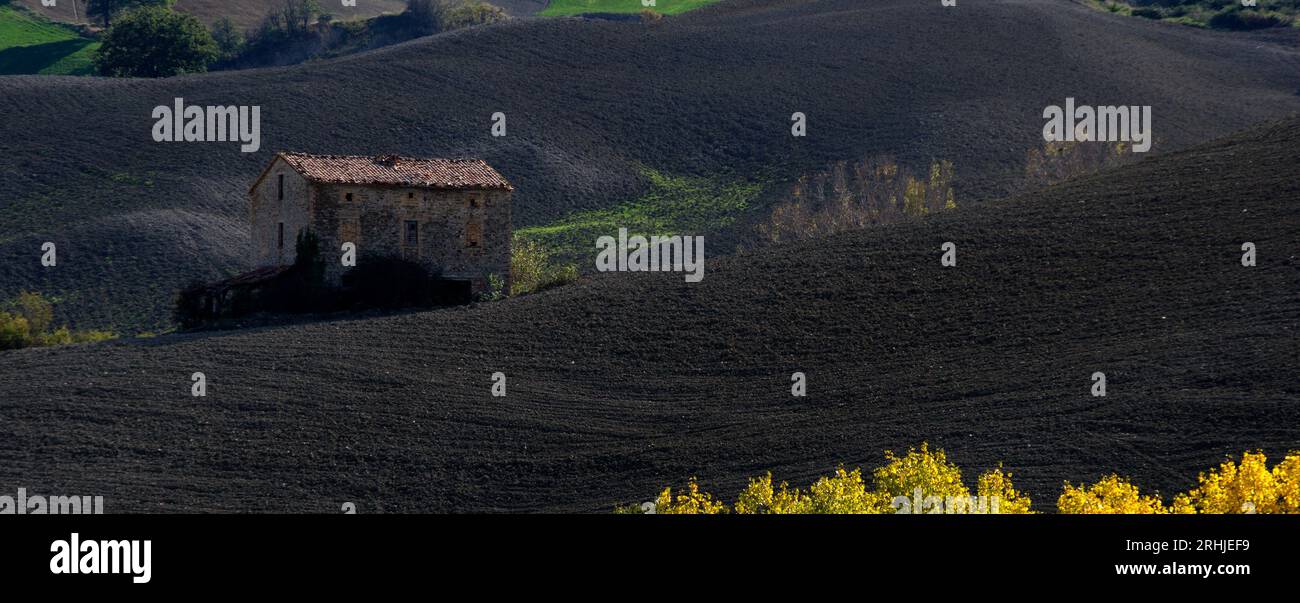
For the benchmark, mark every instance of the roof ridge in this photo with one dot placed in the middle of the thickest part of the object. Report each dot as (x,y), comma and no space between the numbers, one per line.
(373,157)
(440,172)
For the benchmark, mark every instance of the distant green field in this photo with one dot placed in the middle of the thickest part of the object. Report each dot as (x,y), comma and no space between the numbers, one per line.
(30,43)
(577,7)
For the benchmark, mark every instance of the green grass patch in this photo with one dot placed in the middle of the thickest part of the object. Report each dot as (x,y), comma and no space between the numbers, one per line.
(19,27)
(32,44)
(672,205)
(577,7)
(80,61)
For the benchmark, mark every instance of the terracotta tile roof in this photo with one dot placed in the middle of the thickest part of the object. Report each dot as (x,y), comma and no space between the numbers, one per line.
(395,170)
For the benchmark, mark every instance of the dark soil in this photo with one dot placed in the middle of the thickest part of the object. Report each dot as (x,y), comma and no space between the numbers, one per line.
(622,384)
(588,101)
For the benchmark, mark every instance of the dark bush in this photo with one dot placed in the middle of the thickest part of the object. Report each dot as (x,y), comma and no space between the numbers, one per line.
(374,283)
(189,311)
(307,279)
(1241,20)
(391,283)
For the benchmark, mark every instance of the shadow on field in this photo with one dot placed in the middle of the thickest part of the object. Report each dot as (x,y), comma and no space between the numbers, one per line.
(33,59)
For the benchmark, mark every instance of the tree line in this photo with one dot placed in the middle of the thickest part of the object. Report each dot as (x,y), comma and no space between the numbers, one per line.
(147,38)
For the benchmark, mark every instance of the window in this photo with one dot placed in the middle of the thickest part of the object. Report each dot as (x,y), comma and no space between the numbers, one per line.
(412,232)
(281,187)
(473,234)
(473,200)
(280,244)
(348,197)
(350,231)
(410,196)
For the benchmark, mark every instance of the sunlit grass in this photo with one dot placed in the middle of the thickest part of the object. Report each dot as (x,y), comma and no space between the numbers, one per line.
(672,205)
(32,44)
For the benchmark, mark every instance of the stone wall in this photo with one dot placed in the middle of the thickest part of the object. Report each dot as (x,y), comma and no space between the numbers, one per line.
(460,233)
(268,209)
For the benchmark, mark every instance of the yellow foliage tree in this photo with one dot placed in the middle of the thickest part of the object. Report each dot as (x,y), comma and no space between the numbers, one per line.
(692,501)
(1287,475)
(996,486)
(845,493)
(1110,495)
(931,472)
(1249,487)
(760,498)
(923,474)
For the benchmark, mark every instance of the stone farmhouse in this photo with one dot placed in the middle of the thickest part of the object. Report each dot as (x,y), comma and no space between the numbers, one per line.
(451,215)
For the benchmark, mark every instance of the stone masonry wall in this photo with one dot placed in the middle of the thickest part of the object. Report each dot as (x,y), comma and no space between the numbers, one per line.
(461,233)
(267,210)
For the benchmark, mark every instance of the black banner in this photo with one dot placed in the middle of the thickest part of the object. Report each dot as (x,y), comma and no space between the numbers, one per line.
(327,553)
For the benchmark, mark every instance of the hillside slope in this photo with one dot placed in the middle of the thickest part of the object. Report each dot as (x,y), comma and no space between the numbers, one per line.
(245,13)
(249,13)
(707,93)
(622,384)
(30,43)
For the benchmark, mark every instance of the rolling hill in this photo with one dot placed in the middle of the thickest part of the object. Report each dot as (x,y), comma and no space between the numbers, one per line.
(248,13)
(590,104)
(622,384)
(245,13)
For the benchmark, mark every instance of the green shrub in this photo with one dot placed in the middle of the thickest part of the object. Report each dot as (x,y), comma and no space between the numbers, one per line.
(496,289)
(469,13)
(532,270)
(1243,21)
(14,332)
(1217,14)
(155,42)
(38,311)
(229,40)
(27,325)
(432,16)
